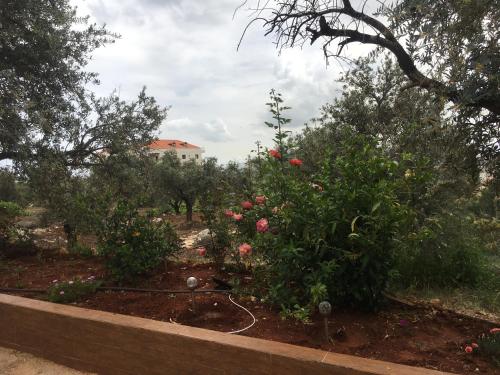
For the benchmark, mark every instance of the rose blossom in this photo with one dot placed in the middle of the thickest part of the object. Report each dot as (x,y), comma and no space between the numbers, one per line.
(275,154)
(468,349)
(295,162)
(495,330)
(262,225)
(245,249)
(228,213)
(247,205)
(238,217)
(260,199)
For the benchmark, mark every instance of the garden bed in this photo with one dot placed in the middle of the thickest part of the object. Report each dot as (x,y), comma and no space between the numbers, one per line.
(416,336)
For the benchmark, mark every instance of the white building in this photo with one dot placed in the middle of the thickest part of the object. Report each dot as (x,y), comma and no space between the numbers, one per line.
(185,151)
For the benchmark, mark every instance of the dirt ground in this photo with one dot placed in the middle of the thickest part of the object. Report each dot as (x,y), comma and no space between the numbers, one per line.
(409,335)
(13,362)
(425,336)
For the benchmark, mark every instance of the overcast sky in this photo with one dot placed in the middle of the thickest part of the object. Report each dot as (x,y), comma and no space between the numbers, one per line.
(184,52)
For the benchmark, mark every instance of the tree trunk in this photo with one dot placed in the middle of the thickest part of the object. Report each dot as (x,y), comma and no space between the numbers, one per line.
(189,211)
(70,236)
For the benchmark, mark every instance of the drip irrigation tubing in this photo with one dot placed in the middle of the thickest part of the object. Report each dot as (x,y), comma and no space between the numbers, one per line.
(120,289)
(249,313)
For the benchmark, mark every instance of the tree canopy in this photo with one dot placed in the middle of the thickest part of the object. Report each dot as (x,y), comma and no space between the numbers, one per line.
(449,49)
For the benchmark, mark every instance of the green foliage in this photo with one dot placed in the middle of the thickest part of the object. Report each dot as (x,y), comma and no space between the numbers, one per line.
(444,251)
(81,250)
(179,181)
(300,313)
(72,291)
(8,212)
(45,47)
(133,245)
(8,190)
(330,235)
(489,347)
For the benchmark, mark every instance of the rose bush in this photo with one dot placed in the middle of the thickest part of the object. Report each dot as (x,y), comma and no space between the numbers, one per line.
(326,236)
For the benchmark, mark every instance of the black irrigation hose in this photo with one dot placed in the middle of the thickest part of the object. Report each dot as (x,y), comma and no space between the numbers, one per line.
(23,290)
(162,290)
(120,289)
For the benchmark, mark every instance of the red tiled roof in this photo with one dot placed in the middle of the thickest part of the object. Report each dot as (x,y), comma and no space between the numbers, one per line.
(162,144)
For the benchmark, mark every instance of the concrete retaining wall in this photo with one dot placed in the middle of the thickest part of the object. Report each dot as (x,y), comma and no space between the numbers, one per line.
(109,343)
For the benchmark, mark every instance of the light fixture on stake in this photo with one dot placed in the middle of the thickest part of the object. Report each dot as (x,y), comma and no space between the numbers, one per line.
(192,283)
(325,309)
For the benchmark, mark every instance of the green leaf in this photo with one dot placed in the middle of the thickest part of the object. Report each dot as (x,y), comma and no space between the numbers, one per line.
(353,223)
(375,206)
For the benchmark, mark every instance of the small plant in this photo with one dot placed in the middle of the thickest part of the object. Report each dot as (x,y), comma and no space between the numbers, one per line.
(133,244)
(72,291)
(81,250)
(489,346)
(299,313)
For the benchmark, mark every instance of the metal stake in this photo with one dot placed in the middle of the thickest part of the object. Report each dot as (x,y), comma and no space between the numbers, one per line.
(192,283)
(325,309)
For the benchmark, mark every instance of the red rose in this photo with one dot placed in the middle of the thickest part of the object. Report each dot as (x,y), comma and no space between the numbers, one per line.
(468,349)
(275,154)
(295,162)
(229,213)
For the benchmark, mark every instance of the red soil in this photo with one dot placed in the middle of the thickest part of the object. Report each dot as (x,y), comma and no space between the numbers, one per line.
(414,336)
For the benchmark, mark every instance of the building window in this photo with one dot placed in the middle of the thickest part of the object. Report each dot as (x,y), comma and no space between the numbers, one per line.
(197,156)
(184,156)
(155,156)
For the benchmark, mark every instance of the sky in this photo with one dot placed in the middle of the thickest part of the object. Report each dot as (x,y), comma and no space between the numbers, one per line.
(185,53)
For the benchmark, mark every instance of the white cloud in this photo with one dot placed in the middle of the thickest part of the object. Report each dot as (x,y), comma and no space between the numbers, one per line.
(184,51)
(212,131)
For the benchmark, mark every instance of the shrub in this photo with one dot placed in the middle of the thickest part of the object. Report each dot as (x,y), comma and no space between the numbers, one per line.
(331,236)
(13,241)
(72,291)
(134,244)
(81,250)
(489,346)
(8,213)
(446,250)
(325,236)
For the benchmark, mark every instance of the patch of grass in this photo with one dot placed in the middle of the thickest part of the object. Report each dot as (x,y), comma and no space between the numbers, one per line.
(72,291)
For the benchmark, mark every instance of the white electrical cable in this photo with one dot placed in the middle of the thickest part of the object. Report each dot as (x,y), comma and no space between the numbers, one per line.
(249,313)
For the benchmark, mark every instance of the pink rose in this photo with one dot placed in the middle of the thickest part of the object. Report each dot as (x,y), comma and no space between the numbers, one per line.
(262,225)
(238,217)
(229,213)
(495,330)
(468,349)
(245,249)
(247,205)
